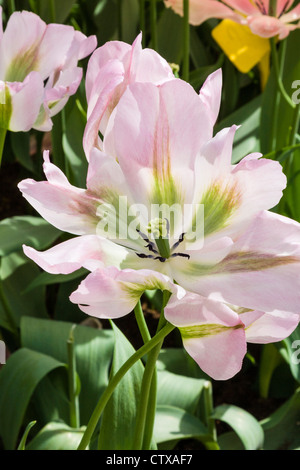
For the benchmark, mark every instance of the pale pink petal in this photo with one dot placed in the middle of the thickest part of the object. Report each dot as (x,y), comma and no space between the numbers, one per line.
(201,10)
(148,135)
(270,327)
(146,65)
(18,58)
(80,48)
(245,6)
(66,207)
(211,93)
(1,23)
(267,26)
(108,81)
(25,96)
(65,86)
(220,356)
(69,256)
(110,293)
(212,334)
(112,50)
(54,48)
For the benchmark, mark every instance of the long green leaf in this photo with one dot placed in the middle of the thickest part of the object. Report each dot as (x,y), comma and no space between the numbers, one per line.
(93,349)
(18,380)
(56,436)
(282,427)
(243,423)
(27,230)
(173,424)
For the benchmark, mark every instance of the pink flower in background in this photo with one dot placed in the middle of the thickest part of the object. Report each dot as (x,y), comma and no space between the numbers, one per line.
(255,14)
(42,54)
(160,151)
(111,69)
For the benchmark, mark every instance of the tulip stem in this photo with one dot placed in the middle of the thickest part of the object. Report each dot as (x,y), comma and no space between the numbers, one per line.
(145,349)
(147,405)
(73,384)
(2,142)
(143,21)
(186,41)
(153,24)
(278,73)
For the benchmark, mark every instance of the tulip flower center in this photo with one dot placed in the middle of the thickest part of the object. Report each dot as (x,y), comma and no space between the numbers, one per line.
(158,230)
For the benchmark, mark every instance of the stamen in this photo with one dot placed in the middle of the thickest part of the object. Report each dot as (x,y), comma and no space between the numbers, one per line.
(183,255)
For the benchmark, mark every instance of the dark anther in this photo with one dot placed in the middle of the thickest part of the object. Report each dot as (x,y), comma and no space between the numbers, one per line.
(151,247)
(183,255)
(142,255)
(160,258)
(180,240)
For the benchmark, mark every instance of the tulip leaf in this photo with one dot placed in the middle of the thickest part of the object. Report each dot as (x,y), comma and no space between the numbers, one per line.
(282,427)
(18,380)
(173,424)
(28,230)
(93,349)
(243,423)
(56,436)
(179,391)
(247,136)
(290,350)
(16,273)
(119,417)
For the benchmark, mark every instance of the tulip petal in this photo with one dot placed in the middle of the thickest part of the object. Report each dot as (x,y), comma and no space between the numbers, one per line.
(201,11)
(19,97)
(110,293)
(269,327)
(212,334)
(66,207)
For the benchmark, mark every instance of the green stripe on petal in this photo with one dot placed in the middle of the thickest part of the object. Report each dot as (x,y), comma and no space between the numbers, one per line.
(135,290)
(240,262)
(201,331)
(22,64)
(5,107)
(219,205)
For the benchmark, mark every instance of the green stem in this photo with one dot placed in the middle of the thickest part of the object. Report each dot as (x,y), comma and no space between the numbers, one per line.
(12,7)
(3,133)
(147,406)
(145,349)
(52,10)
(143,21)
(209,408)
(120,25)
(139,315)
(278,72)
(72,376)
(153,24)
(58,154)
(186,41)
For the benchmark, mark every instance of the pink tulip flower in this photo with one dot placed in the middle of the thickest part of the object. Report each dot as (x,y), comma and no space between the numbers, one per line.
(160,152)
(255,14)
(31,54)
(111,69)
